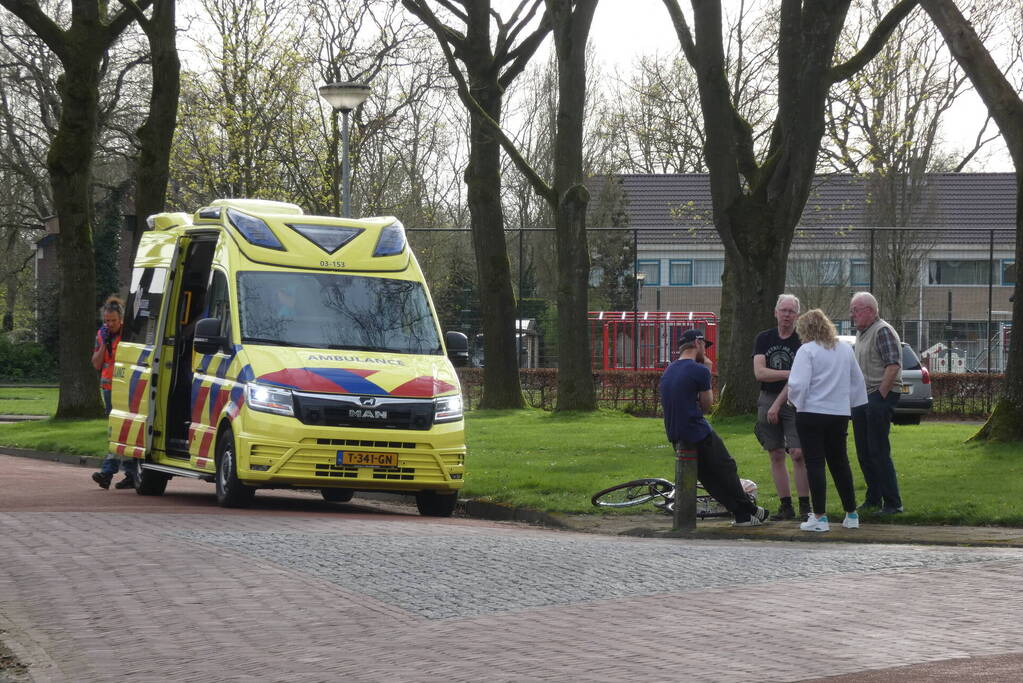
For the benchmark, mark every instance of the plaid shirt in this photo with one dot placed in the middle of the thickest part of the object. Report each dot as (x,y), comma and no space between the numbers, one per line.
(888,347)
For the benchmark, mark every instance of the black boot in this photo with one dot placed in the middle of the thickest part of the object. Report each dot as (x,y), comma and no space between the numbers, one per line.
(127,483)
(784,512)
(102,479)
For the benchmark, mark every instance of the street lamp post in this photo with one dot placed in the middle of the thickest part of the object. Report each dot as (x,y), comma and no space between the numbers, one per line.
(344,97)
(635,320)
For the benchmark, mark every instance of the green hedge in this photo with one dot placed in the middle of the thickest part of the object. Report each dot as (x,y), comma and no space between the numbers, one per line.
(636,392)
(26,362)
(970,394)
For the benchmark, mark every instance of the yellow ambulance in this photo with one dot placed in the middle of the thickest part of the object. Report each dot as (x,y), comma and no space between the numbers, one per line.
(266,348)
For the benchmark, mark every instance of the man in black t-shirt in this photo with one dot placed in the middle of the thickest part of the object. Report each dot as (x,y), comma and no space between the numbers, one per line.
(773,353)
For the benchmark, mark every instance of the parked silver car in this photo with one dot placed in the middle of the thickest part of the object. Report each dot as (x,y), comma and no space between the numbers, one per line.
(916,400)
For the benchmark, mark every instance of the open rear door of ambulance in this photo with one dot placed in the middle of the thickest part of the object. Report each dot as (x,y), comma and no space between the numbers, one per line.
(137,363)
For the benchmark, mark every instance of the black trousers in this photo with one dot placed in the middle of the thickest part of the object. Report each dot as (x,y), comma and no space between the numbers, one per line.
(823,438)
(718,473)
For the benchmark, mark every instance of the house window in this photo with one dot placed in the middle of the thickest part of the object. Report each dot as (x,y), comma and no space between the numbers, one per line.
(680,273)
(859,272)
(958,272)
(1008,272)
(830,272)
(708,272)
(652,270)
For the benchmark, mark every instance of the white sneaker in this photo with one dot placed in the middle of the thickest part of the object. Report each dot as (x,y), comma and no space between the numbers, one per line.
(756,519)
(851,521)
(814,523)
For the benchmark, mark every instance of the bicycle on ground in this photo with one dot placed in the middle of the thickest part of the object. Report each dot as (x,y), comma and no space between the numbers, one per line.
(661,493)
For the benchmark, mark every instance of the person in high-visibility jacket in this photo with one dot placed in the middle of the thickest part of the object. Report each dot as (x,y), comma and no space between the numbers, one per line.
(107,338)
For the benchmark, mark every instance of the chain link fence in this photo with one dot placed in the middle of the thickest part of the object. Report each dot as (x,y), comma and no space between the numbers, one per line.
(947,292)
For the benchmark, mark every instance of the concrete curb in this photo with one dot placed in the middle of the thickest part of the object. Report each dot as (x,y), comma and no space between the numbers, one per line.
(887,534)
(66,458)
(503,512)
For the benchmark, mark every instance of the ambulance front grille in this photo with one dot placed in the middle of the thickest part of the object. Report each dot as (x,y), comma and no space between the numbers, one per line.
(308,463)
(366,412)
(342,471)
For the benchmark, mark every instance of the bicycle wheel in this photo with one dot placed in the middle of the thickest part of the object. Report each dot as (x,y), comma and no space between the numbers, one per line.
(631,493)
(706,506)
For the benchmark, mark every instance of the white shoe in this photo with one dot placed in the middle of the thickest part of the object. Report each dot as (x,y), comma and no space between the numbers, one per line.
(758,518)
(814,523)
(851,521)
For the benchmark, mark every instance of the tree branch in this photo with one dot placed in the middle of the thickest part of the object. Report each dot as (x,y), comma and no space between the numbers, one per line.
(685,37)
(44,27)
(122,19)
(874,43)
(446,37)
(520,56)
(541,187)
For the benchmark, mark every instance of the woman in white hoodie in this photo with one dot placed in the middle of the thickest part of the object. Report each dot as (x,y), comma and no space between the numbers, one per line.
(824,384)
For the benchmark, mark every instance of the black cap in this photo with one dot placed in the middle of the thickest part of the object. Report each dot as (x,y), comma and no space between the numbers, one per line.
(690,336)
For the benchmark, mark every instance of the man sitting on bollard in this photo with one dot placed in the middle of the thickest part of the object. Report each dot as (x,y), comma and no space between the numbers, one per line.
(686,396)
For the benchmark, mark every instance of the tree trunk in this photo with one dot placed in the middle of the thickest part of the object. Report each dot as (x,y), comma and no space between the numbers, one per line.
(482,95)
(501,387)
(575,376)
(756,257)
(157,133)
(1006,421)
(758,205)
(1006,108)
(70,166)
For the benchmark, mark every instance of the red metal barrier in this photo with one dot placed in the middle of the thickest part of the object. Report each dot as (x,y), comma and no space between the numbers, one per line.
(654,335)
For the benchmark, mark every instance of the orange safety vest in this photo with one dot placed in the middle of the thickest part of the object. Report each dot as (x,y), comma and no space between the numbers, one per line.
(106,373)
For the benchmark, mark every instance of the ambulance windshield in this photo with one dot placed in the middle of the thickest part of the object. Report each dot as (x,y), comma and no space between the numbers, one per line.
(334,311)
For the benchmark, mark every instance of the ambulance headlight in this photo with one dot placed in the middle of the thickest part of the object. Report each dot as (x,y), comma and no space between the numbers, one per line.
(269,399)
(448,408)
(391,241)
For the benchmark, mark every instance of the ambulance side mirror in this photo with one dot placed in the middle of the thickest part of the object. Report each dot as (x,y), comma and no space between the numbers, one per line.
(208,338)
(458,348)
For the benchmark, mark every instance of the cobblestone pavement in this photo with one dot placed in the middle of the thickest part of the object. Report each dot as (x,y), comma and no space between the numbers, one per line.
(299,590)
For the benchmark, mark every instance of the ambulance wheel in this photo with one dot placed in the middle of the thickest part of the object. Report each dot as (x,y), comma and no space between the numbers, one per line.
(337,495)
(433,504)
(151,483)
(231,493)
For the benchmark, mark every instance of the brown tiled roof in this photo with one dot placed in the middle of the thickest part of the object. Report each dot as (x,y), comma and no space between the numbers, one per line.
(951,201)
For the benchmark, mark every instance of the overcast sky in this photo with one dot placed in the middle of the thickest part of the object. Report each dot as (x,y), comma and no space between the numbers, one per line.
(624,30)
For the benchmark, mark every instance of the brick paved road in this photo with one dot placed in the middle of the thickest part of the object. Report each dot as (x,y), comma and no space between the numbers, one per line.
(95,587)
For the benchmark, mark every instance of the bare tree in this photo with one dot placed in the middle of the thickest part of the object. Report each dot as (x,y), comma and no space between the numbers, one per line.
(81,49)
(885,125)
(758,199)
(491,63)
(652,123)
(815,274)
(232,115)
(887,119)
(1006,107)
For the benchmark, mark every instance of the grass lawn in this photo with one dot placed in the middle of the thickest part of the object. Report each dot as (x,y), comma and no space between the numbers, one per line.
(27,401)
(556,462)
(82,437)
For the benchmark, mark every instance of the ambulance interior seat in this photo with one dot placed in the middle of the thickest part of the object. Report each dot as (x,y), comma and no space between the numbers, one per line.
(191,307)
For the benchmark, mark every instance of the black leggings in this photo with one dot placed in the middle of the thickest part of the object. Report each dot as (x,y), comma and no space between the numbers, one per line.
(823,438)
